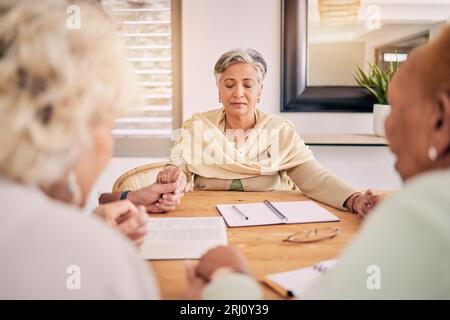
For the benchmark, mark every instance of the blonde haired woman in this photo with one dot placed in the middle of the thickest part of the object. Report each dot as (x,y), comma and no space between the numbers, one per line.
(60,91)
(245,149)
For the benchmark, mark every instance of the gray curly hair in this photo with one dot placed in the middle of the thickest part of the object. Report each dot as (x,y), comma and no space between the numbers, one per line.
(241,56)
(55,84)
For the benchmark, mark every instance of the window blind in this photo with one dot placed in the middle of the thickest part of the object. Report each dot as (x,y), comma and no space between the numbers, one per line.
(146,29)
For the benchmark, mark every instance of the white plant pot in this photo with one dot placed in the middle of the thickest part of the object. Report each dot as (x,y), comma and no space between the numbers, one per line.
(380,113)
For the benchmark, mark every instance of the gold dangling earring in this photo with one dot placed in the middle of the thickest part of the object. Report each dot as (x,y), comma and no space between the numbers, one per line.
(74,188)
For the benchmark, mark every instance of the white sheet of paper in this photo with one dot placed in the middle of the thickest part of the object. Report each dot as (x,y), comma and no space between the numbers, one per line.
(182,238)
(298,281)
(259,214)
(304,212)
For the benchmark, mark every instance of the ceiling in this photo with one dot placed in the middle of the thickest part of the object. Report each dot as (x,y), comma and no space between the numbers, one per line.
(393,16)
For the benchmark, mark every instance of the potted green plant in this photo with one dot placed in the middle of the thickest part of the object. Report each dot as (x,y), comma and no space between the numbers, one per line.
(377,80)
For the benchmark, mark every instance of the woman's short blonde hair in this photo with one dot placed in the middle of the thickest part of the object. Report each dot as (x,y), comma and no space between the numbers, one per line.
(241,56)
(56,82)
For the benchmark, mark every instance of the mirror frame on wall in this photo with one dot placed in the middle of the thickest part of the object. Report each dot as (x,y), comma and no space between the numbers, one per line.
(296,95)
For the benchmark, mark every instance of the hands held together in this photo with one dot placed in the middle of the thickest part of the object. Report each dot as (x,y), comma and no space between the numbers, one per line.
(362,203)
(130,216)
(126,217)
(165,194)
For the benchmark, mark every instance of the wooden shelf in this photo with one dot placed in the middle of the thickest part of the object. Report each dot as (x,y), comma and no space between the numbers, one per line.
(330,139)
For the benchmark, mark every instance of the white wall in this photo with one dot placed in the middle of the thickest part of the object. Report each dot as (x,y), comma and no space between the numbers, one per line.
(212,27)
(333,63)
(360,167)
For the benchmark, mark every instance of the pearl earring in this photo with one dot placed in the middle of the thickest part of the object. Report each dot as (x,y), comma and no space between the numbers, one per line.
(432,153)
(74,188)
(220,100)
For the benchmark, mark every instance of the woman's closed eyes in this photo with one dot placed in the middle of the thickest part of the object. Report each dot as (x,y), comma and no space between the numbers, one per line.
(247,85)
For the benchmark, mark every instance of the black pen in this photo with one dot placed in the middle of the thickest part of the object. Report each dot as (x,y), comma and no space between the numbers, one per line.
(240,212)
(275,210)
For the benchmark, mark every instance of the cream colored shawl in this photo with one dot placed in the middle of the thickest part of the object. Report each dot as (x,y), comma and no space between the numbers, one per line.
(203,148)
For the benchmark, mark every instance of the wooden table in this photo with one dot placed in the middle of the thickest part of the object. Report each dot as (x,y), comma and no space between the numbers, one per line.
(262,246)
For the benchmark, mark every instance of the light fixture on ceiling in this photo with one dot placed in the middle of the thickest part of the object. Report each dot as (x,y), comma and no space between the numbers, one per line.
(339,12)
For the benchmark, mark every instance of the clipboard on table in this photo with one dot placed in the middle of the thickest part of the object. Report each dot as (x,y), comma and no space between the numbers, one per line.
(270,213)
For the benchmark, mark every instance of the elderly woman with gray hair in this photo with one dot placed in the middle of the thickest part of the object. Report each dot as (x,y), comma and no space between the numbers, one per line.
(402,250)
(245,149)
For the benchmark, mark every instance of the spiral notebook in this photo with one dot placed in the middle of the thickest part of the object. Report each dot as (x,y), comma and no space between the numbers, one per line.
(268,213)
(296,283)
